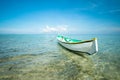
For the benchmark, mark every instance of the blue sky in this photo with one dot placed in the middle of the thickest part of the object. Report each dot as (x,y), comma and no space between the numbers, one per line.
(60,16)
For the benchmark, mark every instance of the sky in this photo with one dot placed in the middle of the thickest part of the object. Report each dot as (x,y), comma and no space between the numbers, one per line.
(60,16)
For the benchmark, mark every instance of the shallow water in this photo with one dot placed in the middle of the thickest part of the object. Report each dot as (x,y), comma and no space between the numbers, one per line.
(39,57)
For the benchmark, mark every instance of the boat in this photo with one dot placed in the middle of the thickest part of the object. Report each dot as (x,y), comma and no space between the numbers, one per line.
(87,46)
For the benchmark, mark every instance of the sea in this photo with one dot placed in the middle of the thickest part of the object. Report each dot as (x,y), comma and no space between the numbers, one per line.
(33,57)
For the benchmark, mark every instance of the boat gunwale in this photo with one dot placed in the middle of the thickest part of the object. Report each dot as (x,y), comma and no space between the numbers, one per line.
(87,41)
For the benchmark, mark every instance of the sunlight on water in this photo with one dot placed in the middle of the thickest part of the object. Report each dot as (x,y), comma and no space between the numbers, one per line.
(40,57)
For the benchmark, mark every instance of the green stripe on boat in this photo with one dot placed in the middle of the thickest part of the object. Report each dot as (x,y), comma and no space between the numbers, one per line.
(65,39)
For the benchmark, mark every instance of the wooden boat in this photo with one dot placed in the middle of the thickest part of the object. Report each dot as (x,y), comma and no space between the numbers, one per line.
(87,46)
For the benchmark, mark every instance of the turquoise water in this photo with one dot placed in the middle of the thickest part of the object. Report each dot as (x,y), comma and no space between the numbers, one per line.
(13,47)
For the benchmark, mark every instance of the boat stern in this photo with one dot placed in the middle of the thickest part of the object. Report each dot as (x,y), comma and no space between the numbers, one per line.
(94,47)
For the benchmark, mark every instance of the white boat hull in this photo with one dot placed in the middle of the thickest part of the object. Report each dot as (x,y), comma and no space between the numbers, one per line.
(88,47)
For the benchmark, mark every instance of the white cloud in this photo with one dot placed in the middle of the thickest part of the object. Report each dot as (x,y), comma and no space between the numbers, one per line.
(60,28)
(110,11)
(115,29)
(113,11)
(90,6)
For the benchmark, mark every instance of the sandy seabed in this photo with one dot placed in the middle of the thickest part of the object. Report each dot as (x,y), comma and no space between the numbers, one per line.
(38,57)
(64,65)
